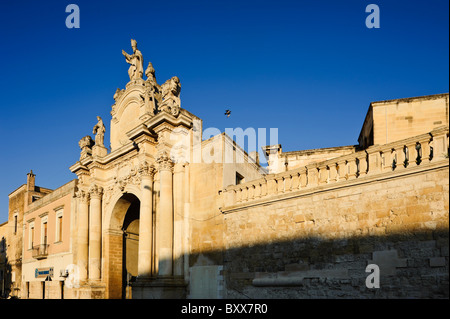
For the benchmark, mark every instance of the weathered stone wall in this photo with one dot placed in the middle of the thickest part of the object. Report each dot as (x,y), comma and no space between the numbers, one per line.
(14,240)
(317,245)
(297,159)
(393,120)
(57,289)
(112,261)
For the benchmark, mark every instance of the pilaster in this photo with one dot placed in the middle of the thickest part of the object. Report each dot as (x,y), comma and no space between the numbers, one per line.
(95,231)
(83,234)
(165,167)
(145,260)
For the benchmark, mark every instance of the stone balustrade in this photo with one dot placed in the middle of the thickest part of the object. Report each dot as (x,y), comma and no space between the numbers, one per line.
(378,159)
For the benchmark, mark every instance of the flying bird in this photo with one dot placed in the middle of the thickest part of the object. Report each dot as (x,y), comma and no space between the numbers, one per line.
(227,113)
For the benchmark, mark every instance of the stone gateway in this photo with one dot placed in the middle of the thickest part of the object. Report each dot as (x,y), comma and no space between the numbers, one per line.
(149,218)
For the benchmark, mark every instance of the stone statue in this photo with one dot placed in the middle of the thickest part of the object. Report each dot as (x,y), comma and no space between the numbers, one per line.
(86,144)
(99,129)
(136,62)
(152,95)
(149,100)
(171,96)
(150,73)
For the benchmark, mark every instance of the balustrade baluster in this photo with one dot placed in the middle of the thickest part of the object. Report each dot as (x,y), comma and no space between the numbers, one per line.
(295,181)
(333,177)
(303,179)
(352,169)
(238,195)
(312,175)
(323,174)
(342,170)
(362,165)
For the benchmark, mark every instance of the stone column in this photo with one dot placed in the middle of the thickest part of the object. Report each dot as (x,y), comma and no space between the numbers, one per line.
(83,234)
(95,232)
(166,215)
(146,221)
(178,209)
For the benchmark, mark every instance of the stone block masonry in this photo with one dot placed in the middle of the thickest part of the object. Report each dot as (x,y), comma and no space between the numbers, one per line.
(317,244)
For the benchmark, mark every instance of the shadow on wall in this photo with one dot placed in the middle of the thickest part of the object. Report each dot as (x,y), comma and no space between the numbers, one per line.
(5,272)
(411,265)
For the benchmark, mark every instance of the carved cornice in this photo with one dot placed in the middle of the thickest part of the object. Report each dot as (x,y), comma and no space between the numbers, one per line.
(184,119)
(164,162)
(141,133)
(132,177)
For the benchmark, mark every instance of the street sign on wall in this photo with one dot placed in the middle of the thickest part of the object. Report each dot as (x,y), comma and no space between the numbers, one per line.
(43,272)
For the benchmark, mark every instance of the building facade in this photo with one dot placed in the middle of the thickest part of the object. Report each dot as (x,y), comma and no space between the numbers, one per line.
(166,214)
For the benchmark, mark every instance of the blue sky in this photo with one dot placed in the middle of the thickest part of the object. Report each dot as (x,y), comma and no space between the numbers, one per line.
(308,67)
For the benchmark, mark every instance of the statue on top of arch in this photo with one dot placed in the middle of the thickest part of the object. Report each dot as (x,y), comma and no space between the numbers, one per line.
(171,96)
(136,62)
(156,98)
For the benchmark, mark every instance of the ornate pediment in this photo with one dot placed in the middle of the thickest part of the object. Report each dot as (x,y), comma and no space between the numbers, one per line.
(141,99)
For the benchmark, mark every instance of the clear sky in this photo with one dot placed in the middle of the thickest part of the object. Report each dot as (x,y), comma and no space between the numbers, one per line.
(307,67)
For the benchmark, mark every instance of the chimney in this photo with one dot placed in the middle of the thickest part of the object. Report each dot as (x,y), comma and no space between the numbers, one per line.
(254,156)
(30,181)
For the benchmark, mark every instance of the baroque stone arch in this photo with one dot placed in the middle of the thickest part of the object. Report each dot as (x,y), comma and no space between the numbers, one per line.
(117,205)
(113,236)
(126,114)
(131,96)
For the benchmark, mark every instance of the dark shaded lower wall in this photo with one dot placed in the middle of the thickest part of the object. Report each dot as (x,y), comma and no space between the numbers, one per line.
(318,244)
(411,266)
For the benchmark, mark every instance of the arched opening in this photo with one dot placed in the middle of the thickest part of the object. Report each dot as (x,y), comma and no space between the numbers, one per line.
(121,246)
(130,251)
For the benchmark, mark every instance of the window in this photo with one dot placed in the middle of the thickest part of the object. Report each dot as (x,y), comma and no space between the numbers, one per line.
(59,226)
(15,223)
(31,236)
(239,178)
(59,229)
(44,228)
(44,233)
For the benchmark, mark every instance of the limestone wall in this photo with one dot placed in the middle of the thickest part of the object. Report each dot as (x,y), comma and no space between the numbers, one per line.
(291,160)
(316,241)
(319,245)
(393,120)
